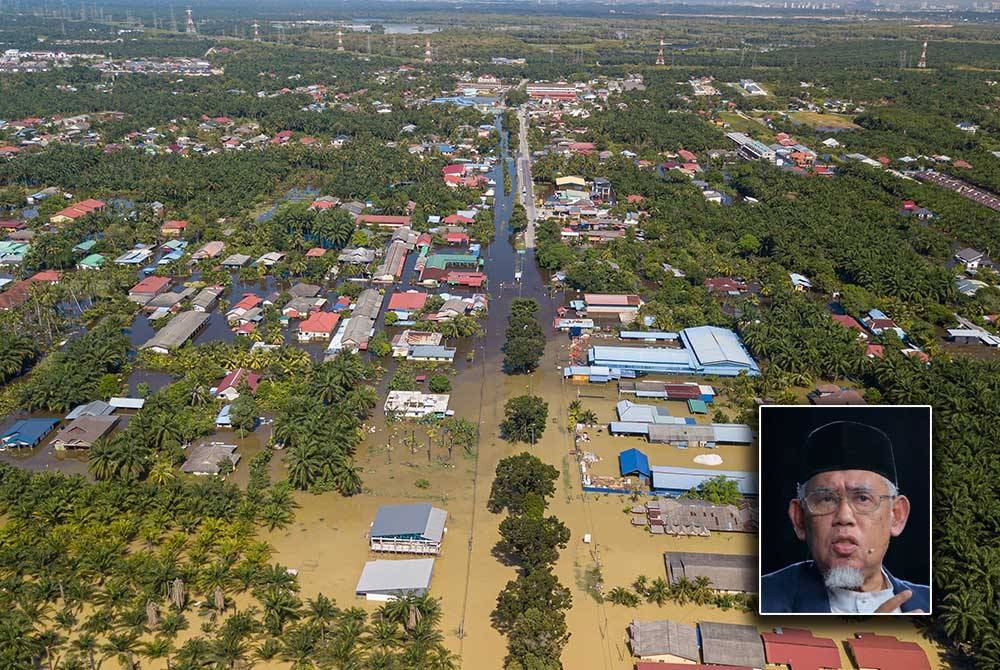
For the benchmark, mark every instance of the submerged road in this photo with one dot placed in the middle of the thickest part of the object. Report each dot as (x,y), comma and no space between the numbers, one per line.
(500,261)
(527,188)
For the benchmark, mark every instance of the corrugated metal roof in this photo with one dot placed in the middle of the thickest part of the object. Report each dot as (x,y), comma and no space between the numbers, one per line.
(28,432)
(733,433)
(633,460)
(417,519)
(391,576)
(683,479)
(731,644)
(711,346)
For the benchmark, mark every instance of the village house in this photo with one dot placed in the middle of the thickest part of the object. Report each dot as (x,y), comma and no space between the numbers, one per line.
(408,529)
(435,353)
(404,341)
(971,259)
(173,228)
(205,458)
(415,404)
(406,304)
(228,388)
(82,432)
(77,211)
(318,326)
(148,288)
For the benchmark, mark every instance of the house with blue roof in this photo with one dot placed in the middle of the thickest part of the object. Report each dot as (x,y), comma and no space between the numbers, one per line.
(26,433)
(676,480)
(707,350)
(408,529)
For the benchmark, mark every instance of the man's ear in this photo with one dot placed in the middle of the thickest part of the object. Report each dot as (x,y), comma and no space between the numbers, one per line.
(899,513)
(798,517)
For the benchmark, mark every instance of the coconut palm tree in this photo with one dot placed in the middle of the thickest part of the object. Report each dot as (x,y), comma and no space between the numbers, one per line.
(322,612)
(157,648)
(658,592)
(122,647)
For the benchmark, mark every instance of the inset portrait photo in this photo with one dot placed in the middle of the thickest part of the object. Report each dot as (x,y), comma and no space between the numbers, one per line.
(845,509)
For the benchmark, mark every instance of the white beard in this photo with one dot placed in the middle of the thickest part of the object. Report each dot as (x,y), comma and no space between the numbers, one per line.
(843,577)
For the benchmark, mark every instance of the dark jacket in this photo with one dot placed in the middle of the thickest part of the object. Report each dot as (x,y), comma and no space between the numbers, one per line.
(800,588)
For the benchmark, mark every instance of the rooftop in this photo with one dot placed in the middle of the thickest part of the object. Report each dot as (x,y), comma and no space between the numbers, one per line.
(420,519)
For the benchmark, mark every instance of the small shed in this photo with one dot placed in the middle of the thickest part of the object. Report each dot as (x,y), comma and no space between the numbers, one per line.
(697,406)
(386,580)
(633,461)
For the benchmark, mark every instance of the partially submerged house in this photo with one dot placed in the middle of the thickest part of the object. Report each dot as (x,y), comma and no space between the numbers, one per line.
(206,458)
(26,433)
(731,573)
(664,641)
(408,529)
(387,580)
(81,433)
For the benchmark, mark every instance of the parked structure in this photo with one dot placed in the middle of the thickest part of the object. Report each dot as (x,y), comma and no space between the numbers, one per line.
(884,652)
(676,480)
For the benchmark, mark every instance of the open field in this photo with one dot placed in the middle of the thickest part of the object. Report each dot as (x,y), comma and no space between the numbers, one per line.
(825,120)
(743,124)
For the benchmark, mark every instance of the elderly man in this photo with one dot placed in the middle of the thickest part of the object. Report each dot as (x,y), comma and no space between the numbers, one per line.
(846,509)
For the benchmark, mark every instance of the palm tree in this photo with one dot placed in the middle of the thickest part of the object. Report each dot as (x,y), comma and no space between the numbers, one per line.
(280,607)
(305,464)
(121,646)
(322,612)
(658,592)
(158,648)
(49,641)
(162,472)
(299,645)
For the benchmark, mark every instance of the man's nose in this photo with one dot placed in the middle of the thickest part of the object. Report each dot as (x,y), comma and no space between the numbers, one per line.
(844,514)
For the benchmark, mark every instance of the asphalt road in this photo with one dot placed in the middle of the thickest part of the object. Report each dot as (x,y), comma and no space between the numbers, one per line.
(526,187)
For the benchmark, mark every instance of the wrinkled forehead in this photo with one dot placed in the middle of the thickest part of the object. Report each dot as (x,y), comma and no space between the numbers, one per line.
(844,480)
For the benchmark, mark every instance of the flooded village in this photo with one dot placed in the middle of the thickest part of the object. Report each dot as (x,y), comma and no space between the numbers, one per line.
(313,334)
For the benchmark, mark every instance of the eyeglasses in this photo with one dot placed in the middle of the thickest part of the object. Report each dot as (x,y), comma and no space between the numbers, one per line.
(821,503)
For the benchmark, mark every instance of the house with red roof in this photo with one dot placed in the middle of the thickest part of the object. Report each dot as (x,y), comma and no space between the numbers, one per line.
(384,220)
(318,326)
(687,156)
(148,288)
(49,276)
(654,665)
(228,387)
(798,649)
(884,652)
(315,252)
(581,147)
(9,150)
(959,163)
(465,278)
(173,228)
(456,238)
(281,137)
(77,211)
(726,285)
(457,220)
(848,321)
(406,303)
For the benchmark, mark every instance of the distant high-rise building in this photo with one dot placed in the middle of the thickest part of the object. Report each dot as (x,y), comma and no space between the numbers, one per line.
(660,60)
(256,32)
(340,38)
(427,51)
(922,63)
(191,29)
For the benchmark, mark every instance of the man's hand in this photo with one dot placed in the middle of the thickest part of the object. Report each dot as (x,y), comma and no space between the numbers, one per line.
(897,600)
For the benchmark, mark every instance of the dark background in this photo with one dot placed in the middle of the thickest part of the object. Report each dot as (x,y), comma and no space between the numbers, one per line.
(783,430)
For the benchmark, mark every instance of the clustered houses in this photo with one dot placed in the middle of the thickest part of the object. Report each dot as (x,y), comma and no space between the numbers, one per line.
(583,208)
(669,645)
